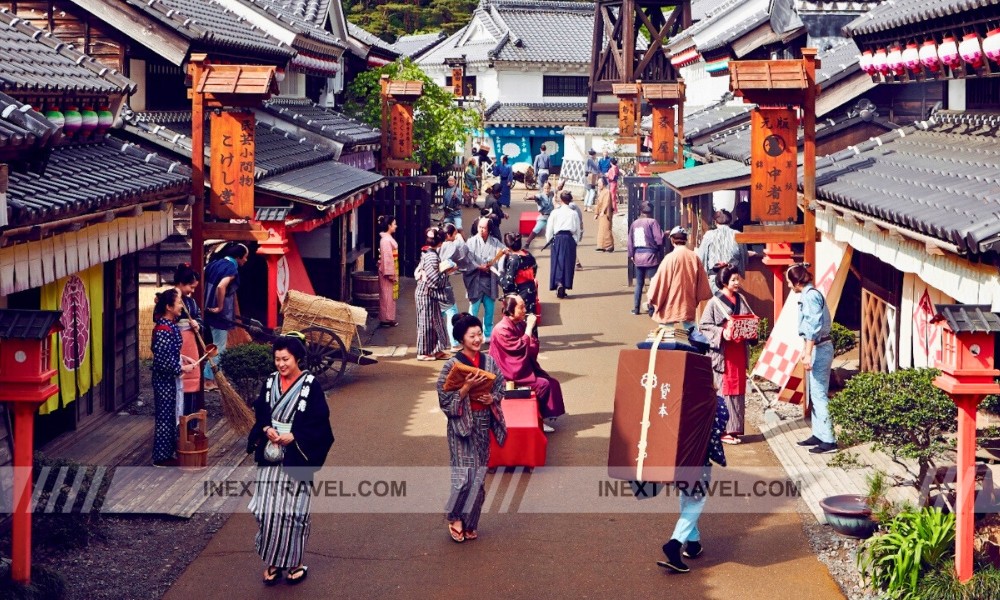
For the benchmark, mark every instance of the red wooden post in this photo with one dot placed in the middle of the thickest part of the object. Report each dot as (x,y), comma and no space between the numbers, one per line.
(778,257)
(966,484)
(24,444)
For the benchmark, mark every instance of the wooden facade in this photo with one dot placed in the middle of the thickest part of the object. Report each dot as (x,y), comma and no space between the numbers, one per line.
(71,25)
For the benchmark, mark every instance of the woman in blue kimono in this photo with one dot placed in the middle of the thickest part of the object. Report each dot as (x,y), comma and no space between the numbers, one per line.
(168,395)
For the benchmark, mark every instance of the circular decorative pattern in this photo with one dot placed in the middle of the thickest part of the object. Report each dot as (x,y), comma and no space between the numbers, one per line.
(20,356)
(511,149)
(283,277)
(774,145)
(75,336)
(551,147)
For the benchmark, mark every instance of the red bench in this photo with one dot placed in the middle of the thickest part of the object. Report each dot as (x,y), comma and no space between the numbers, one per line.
(526,443)
(527,223)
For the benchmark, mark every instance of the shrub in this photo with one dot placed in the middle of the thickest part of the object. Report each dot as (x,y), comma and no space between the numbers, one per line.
(942,584)
(46,584)
(902,413)
(990,404)
(914,543)
(843,339)
(247,366)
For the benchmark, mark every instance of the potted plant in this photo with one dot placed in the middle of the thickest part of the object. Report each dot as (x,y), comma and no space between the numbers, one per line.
(857,515)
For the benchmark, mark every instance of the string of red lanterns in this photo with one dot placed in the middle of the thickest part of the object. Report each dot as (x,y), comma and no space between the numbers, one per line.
(897,60)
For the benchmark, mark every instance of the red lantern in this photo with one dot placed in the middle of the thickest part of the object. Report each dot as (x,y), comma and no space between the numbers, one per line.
(991,45)
(948,53)
(865,62)
(929,56)
(911,58)
(894,61)
(971,51)
(879,61)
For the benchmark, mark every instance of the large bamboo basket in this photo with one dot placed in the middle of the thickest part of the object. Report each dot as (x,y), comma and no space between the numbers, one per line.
(147,300)
(303,310)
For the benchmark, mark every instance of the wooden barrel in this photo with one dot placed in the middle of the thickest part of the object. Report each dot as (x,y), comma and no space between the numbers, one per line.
(364,286)
(192,445)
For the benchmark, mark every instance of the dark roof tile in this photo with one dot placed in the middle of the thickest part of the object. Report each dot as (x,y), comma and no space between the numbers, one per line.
(321,184)
(297,17)
(413,46)
(900,13)
(323,121)
(555,114)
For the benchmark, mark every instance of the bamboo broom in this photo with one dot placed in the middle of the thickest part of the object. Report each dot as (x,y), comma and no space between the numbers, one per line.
(234,408)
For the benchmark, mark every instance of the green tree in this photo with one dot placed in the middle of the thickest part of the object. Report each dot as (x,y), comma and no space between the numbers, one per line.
(438,124)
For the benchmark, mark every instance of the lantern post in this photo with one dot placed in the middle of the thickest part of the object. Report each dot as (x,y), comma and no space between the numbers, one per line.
(967,375)
(26,371)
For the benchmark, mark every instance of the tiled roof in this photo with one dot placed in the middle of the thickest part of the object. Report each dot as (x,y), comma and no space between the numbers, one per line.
(294,16)
(320,184)
(214,25)
(900,13)
(370,39)
(325,122)
(940,178)
(22,128)
(85,178)
(837,62)
(314,11)
(700,9)
(36,61)
(415,45)
(723,170)
(27,324)
(968,318)
(536,114)
(731,20)
(714,118)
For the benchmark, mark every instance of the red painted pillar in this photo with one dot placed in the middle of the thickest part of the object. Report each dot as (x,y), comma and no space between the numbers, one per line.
(778,257)
(272,290)
(966,484)
(272,249)
(24,443)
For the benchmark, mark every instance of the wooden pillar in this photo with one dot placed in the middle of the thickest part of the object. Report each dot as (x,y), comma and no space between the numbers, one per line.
(272,249)
(24,444)
(809,157)
(965,484)
(196,68)
(777,258)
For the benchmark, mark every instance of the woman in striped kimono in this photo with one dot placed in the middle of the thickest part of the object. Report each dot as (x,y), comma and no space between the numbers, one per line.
(470,421)
(168,394)
(388,274)
(289,440)
(432,338)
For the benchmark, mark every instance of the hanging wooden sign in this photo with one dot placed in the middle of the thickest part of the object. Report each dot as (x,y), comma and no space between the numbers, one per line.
(232,165)
(401,130)
(774,158)
(456,82)
(663,133)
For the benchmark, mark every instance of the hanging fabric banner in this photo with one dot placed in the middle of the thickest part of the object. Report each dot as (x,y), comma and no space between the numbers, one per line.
(774,161)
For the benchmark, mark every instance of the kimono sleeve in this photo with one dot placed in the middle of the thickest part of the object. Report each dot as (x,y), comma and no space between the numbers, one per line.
(166,351)
(452,404)
(712,321)
(385,256)
(509,274)
(262,417)
(313,432)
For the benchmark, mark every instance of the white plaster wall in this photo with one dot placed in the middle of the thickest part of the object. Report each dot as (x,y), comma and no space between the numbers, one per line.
(578,140)
(517,86)
(701,88)
(956,94)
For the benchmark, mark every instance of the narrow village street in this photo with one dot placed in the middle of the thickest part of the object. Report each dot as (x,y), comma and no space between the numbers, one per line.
(387,416)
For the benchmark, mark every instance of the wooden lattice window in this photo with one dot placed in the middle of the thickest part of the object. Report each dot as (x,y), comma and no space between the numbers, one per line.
(878,334)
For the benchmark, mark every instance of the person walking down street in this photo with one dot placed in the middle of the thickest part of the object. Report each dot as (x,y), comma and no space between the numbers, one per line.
(817,356)
(222,280)
(493,210)
(686,538)
(483,282)
(545,199)
(645,240)
(729,353)
(679,284)
(388,271)
(613,175)
(592,173)
(604,215)
(470,421)
(604,164)
(168,396)
(290,440)
(506,175)
(452,203)
(470,181)
(454,257)
(719,247)
(579,213)
(519,273)
(563,231)
(515,350)
(189,324)
(432,339)
(541,164)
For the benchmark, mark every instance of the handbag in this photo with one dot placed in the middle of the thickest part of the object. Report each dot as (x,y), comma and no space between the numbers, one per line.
(275,453)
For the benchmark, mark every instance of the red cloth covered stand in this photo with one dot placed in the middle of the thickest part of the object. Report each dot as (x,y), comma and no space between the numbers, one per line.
(526,443)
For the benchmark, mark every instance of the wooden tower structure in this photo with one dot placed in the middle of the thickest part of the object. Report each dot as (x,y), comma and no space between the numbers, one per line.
(619,57)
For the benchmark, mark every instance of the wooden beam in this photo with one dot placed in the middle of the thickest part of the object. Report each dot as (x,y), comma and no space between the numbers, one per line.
(237,232)
(139,27)
(772,234)
(933,249)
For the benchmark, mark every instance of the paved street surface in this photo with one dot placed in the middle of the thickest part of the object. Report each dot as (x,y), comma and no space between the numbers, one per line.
(387,415)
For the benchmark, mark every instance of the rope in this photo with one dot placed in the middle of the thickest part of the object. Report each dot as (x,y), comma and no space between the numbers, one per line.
(649,383)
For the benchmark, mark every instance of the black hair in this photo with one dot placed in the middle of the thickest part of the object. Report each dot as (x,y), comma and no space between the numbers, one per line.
(724,273)
(294,345)
(496,188)
(185,275)
(449,229)
(433,237)
(614,160)
(503,159)
(798,274)
(462,323)
(164,299)
(646,208)
(723,217)
(566,197)
(512,240)
(679,238)
(232,250)
(510,303)
(384,222)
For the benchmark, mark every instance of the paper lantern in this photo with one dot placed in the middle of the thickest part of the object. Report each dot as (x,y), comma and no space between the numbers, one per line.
(105,119)
(865,62)
(74,120)
(948,53)
(279,74)
(971,51)
(911,58)
(89,120)
(894,61)
(879,61)
(991,45)
(55,116)
(929,57)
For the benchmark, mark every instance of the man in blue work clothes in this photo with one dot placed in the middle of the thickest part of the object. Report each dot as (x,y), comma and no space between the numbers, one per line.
(541,166)
(604,164)
(506,175)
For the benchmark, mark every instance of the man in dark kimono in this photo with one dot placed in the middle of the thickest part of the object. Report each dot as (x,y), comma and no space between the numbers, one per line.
(506,175)
(563,231)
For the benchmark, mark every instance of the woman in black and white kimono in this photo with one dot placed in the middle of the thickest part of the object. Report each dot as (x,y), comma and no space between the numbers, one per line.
(289,440)
(432,337)
(470,421)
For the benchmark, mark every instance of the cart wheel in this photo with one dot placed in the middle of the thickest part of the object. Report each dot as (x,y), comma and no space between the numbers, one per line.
(325,352)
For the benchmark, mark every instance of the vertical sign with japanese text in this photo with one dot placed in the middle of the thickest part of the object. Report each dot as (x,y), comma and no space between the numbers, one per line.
(457,81)
(663,133)
(232,165)
(774,165)
(626,116)
(401,131)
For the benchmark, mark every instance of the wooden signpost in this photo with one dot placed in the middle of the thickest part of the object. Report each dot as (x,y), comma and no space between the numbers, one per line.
(232,165)
(398,98)
(667,102)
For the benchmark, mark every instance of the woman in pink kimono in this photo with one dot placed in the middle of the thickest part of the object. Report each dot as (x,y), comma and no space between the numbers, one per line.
(515,350)
(614,174)
(388,275)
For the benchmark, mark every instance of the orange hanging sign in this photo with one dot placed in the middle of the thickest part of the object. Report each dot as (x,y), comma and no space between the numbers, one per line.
(232,165)
(663,133)
(401,130)
(456,82)
(774,165)
(626,116)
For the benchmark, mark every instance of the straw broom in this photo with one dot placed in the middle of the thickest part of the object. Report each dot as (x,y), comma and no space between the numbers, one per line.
(234,408)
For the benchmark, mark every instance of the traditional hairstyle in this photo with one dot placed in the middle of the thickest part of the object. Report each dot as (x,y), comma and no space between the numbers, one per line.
(496,188)
(449,229)
(798,274)
(614,160)
(723,217)
(463,322)
(433,237)
(723,273)
(566,197)
(163,300)
(185,275)
(646,208)
(294,345)
(512,240)
(510,303)
(680,237)
(543,147)
(384,222)
(231,250)
(504,159)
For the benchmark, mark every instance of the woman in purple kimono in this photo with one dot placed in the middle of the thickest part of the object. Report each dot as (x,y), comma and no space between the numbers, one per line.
(515,349)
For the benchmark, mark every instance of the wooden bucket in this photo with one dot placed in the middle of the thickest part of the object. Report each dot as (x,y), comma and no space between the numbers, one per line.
(192,445)
(364,286)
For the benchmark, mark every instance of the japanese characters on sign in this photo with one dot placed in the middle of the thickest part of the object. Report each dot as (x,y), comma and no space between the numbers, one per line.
(774,164)
(401,131)
(457,81)
(626,116)
(232,165)
(663,133)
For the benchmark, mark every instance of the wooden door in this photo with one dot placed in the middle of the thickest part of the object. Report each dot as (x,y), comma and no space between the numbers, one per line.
(121,299)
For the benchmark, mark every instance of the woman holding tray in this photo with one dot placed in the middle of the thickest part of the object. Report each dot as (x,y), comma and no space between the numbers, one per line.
(728,345)
(472,406)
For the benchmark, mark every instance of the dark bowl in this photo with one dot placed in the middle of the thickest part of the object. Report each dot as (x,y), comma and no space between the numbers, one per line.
(849,515)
